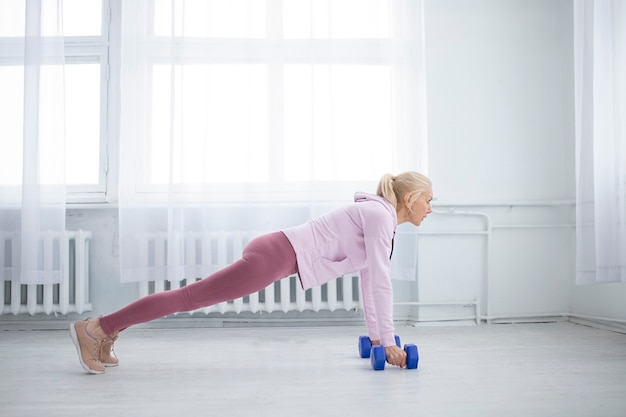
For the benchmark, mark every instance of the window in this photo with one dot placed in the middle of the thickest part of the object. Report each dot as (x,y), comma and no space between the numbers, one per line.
(221,94)
(85,31)
(267,95)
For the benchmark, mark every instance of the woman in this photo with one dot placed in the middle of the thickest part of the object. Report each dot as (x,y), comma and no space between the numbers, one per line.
(354,238)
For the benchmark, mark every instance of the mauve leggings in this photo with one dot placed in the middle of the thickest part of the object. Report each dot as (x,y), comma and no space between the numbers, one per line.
(265,259)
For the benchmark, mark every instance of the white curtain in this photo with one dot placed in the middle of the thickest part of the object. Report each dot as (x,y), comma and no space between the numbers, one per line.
(33,206)
(253,115)
(600,81)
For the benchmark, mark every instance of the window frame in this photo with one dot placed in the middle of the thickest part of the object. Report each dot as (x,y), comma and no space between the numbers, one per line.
(102,48)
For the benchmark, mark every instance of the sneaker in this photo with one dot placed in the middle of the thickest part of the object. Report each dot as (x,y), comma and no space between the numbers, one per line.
(87,346)
(107,353)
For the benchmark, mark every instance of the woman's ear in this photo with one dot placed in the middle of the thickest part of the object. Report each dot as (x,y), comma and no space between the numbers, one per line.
(407,200)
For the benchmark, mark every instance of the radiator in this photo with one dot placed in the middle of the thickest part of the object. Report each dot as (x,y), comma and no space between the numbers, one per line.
(218,250)
(69,296)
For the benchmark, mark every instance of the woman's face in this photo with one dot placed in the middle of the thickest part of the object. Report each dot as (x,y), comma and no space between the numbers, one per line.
(420,208)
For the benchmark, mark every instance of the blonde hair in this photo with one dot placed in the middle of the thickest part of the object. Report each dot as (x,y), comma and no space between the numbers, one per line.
(394,188)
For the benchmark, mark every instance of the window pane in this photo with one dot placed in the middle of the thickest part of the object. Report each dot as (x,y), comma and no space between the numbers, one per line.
(11,110)
(51,129)
(210,18)
(338,19)
(82,128)
(82,125)
(82,17)
(337,122)
(12,17)
(220,130)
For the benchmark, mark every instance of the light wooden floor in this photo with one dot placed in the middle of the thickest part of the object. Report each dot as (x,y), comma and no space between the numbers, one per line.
(556,369)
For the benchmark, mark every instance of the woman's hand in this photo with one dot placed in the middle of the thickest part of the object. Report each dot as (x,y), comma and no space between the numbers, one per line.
(396,356)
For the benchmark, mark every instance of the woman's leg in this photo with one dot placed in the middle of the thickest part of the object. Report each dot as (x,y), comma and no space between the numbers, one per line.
(265,259)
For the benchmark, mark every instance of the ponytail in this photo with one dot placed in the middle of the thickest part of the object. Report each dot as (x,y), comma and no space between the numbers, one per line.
(394,188)
(385,189)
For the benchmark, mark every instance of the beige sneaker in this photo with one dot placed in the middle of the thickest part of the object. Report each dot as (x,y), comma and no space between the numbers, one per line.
(87,346)
(108,357)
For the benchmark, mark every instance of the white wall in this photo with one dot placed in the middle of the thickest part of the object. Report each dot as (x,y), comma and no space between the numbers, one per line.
(501,143)
(501,128)
(500,99)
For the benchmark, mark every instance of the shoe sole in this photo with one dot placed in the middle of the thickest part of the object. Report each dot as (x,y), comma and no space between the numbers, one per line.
(74,337)
(109,365)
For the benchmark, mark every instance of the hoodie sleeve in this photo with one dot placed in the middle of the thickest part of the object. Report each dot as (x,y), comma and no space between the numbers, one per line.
(368,305)
(377,290)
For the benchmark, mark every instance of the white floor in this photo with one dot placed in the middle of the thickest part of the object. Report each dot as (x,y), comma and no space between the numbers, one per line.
(557,369)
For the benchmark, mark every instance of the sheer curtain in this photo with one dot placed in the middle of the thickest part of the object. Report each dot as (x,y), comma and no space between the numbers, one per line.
(33,200)
(600,77)
(252,115)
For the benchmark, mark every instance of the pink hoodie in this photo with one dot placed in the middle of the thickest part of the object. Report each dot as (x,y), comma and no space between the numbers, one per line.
(354,238)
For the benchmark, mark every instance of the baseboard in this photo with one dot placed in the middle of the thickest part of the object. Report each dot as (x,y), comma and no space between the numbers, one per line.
(526,318)
(16,323)
(38,322)
(43,323)
(618,326)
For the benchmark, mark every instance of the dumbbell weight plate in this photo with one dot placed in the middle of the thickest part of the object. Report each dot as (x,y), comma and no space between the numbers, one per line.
(412,356)
(378,358)
(365,346)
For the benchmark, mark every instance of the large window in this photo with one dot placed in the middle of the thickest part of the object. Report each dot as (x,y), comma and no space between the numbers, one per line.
(225,94)
(221,93)
(85,32)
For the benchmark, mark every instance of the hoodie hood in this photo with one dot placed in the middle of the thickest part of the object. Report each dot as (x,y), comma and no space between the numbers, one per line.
(362,197)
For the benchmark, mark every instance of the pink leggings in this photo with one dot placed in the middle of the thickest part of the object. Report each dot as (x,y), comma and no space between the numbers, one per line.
(265,259)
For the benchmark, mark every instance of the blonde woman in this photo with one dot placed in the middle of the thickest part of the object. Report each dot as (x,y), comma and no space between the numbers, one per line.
(355,238)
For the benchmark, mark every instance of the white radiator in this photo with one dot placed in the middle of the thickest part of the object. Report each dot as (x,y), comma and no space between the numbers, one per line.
(69,296)
(220,249)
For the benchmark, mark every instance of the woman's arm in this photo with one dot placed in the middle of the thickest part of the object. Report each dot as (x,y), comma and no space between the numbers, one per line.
(377,288)
(368,307)
(378,301)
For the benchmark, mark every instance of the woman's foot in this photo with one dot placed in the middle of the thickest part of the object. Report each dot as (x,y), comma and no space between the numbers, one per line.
(107,353)
(88,345)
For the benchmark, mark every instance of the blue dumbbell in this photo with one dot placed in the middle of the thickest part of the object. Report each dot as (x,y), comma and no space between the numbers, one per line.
(379,358)
(365,346)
